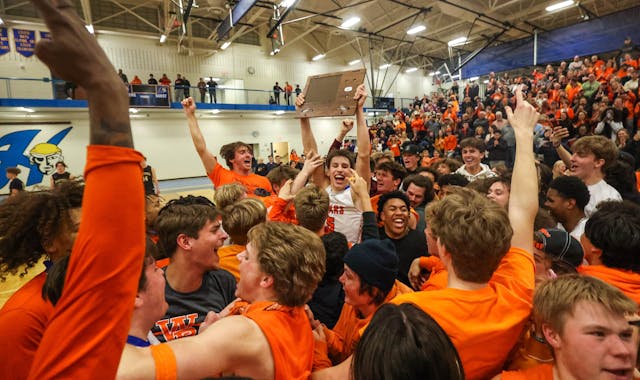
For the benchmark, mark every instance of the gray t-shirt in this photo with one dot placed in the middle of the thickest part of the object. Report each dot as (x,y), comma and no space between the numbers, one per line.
(188,310)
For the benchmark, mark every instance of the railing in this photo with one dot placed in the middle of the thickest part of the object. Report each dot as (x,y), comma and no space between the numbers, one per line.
(47,88)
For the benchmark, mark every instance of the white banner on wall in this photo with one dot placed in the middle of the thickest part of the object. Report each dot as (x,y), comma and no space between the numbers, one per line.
(34,149)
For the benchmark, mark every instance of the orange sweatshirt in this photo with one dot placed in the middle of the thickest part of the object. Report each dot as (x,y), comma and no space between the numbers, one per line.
(88,328)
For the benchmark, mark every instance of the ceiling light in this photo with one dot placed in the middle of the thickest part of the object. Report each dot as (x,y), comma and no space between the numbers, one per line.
(133,110)
(287,3)
(279,112)
(225,45)
(473,79)
(25,109)
(437,73)
(560,5)
(350,22)
(163,38)
(416,29)
(411,69)
(385,66)
(432,74)
(457,41)
(215,111)
(317,57)
(354,62)
(89,28)
(454,76)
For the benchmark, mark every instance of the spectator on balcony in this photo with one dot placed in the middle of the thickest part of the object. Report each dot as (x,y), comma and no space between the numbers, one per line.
(297,90)
(187,87)
(202,87)
(165,81)
(136,80)
(152,80)
(212,85)
(123,76)
(178,86)
(288,89)
(276,93)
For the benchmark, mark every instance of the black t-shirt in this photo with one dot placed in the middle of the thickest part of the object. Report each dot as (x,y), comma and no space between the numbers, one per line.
(188,310)
(17,184)
(408,248)
(57,177)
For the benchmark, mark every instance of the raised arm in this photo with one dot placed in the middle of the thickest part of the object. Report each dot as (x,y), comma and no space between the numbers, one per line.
(105,264)
(208,159)
(523,203)
(364,144)
(309,144)
(558,134)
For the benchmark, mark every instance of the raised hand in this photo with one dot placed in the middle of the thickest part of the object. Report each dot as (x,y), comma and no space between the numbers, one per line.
(525,117)
(189,106)
(360,96)
(299,100)
(347,125)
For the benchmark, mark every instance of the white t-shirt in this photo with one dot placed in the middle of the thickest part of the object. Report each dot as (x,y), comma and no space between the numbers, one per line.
(344,217)
(600,191)
(578,231)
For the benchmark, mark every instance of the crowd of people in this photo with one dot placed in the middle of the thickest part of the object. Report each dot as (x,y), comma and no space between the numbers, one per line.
(359,266)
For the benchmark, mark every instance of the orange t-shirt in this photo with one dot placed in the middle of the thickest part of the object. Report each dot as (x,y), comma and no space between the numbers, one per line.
(221,176)
(489,317)
(23,319)
(229,260)
(288,332)
(417,124)
(539,372)
(628,282)
(88,328)
(342,339)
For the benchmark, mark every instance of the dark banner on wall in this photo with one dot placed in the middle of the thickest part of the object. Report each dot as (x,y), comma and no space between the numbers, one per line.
(45,35)
(4,41)
(25,41)
(148,95)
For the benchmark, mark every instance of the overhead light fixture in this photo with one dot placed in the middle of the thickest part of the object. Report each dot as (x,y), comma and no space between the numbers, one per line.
(411,69)
(25,109)
(560,5)
(279,112)
(350,22)
(416,29)
(455,76)
(457,41)
(215,111)
(287,3)
(89,28)
(317,57)
(385,66)
(163,38)
(432,74)
(225,45)
(354,62)
(133,110)
(473,79)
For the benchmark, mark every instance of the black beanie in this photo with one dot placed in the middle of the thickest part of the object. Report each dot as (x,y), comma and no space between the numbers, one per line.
(375,261)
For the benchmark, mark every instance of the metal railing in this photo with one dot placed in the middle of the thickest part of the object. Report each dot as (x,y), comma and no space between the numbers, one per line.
(47,88)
